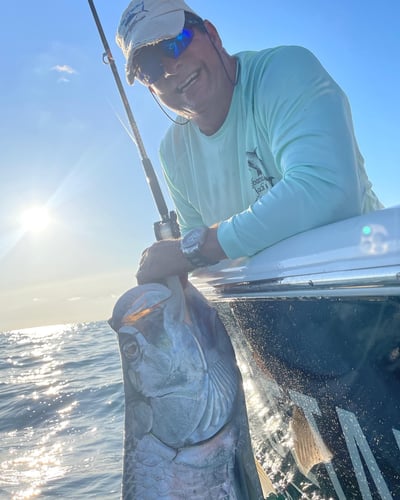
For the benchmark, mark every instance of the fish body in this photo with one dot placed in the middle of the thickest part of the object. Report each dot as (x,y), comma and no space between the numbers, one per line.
(186,429)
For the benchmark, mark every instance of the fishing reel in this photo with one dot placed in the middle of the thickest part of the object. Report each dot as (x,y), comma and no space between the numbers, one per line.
(168,228)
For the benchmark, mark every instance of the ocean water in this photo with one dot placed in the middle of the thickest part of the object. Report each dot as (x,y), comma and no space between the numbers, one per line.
(62,412)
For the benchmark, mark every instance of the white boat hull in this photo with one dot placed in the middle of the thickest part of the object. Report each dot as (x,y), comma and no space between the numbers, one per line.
(320,316)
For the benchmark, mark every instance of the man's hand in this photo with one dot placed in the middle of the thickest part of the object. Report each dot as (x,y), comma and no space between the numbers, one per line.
(164,258)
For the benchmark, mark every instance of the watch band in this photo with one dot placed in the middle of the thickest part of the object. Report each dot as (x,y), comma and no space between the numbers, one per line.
(197,260)
(191,245)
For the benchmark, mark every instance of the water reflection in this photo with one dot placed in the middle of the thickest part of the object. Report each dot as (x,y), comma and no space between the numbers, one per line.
(32,429)
(271,437)
(270,416)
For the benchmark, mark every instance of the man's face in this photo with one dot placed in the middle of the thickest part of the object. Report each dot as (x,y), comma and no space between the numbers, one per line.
(190,81)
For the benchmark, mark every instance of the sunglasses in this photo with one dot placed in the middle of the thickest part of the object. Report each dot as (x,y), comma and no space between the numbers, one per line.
(148,66)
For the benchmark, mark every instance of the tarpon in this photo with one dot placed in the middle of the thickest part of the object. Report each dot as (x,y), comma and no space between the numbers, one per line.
(186,429)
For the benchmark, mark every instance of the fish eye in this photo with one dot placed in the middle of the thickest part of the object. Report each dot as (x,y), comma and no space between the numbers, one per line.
(131,350)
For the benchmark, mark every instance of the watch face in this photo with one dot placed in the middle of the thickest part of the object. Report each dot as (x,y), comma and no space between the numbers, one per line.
(193,239)
(191,245)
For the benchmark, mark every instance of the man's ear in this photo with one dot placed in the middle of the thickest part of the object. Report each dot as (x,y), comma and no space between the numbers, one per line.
(213,33)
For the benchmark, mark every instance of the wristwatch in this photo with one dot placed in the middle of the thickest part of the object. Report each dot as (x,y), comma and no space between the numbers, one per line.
(191,245)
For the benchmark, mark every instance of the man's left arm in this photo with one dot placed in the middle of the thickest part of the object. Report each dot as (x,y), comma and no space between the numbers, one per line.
(309,123)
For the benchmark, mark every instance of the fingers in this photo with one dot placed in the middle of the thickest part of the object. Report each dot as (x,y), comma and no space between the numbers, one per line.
(163,258)
(142,274)
(151,268)
(143,256)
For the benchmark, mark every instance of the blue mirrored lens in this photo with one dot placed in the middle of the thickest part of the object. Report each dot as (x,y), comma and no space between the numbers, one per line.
(175,46)
(149,67)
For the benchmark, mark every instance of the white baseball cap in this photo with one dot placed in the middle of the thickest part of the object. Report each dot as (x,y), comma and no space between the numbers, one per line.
(147,22)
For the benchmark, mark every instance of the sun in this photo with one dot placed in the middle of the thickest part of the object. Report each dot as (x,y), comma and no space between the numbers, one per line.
(35,219)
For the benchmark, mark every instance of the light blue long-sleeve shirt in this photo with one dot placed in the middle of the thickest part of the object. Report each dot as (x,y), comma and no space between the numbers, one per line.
(285,160)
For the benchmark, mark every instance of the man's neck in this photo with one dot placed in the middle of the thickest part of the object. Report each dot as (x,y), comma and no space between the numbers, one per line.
(210,121)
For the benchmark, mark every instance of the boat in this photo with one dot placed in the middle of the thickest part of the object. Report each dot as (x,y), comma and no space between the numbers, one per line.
(319,316)
(316,320)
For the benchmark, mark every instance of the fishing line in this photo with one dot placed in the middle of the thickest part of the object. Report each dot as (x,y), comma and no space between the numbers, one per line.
(123,124)
(165,112)
(168,226)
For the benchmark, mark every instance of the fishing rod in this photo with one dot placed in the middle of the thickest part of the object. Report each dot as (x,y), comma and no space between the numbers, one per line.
(167,227)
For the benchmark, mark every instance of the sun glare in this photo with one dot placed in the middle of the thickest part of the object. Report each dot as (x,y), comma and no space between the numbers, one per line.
(35,219)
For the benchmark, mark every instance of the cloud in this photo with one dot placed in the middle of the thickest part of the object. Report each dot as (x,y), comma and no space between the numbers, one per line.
(64,68)
(63,80)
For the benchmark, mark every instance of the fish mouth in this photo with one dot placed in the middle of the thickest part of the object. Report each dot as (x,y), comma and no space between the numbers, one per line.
(188,82)
(137,303)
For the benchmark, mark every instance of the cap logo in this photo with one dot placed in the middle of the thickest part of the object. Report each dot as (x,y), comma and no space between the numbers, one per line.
(134,16)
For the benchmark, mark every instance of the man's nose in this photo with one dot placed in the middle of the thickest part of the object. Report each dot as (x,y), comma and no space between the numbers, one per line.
(171,66)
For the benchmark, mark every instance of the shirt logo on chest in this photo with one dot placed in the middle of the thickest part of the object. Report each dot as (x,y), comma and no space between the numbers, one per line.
(261,182)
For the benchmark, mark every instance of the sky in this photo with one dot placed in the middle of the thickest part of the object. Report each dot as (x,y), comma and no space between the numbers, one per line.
(65,148)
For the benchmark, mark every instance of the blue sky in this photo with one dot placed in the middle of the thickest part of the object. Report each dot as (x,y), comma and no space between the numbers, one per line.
(63,145)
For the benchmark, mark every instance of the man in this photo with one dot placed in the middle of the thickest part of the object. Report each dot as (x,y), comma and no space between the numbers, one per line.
(263,146)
